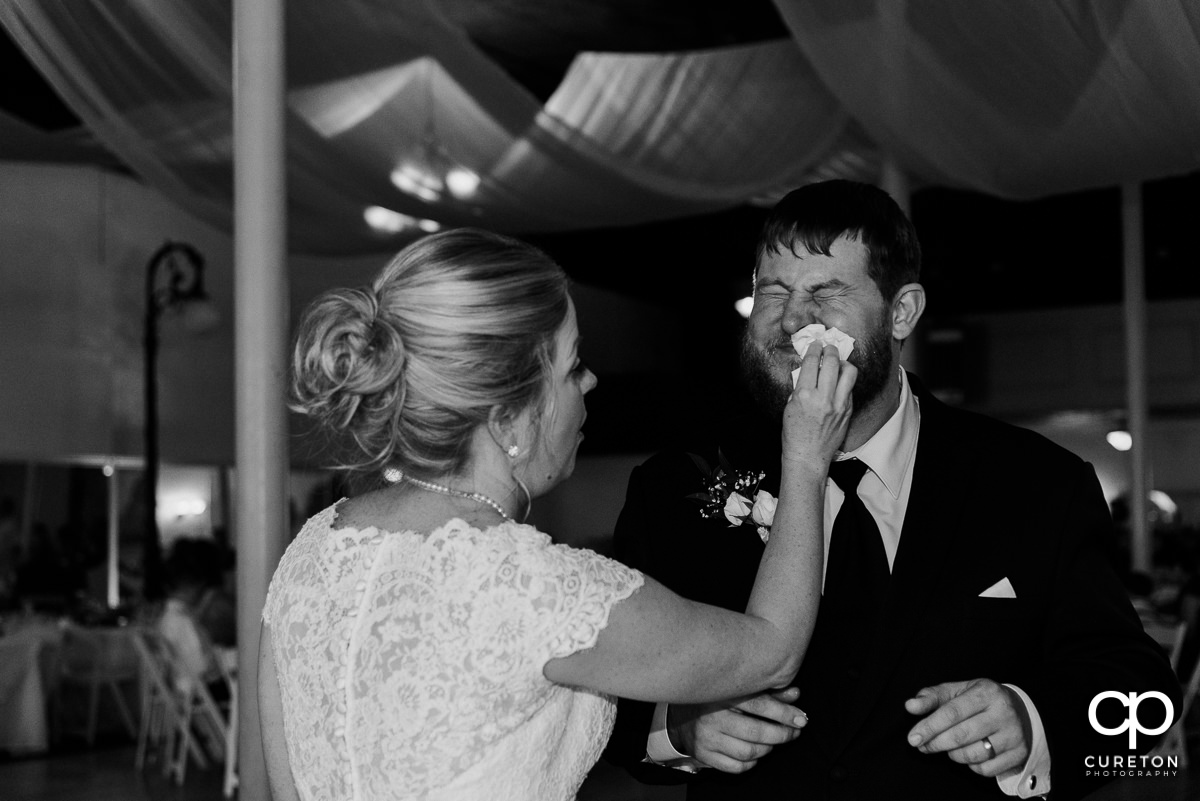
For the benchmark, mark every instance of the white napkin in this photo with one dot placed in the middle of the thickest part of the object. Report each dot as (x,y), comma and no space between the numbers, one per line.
(826,336)
(1001,589)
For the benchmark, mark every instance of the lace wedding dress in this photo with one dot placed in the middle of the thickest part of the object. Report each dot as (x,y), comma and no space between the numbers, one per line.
(410,665)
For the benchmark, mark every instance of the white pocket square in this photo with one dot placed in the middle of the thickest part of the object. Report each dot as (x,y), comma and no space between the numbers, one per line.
(1001,589)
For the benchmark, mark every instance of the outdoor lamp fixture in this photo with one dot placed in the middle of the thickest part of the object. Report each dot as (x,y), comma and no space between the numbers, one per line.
(174,281)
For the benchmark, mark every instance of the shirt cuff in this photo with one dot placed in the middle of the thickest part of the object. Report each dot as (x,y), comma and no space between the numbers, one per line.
(1034,779)
(660,751)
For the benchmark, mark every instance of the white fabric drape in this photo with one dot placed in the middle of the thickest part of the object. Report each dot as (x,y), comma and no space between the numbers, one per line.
(372,86)
(1020,99)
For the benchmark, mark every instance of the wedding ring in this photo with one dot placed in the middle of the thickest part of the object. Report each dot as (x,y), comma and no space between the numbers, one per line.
(987,745)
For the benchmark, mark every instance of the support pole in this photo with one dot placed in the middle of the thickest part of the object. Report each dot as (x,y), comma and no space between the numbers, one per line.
(1135,371)
(114,536)
(261,312)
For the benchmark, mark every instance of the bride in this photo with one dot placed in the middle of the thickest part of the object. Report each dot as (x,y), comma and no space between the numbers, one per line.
(419,640)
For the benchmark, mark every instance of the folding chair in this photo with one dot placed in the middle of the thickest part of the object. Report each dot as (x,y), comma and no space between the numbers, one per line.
(203,727)
(161,701)
(100,659)
(227,659)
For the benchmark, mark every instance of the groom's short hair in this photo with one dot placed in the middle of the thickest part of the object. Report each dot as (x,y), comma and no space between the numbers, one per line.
(815,215)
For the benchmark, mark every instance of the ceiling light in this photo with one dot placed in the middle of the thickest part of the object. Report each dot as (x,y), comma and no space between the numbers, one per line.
(387,221)
(461,182)
(1164,503)
(416,179)
(427,170)
(1121,440)
(185,505)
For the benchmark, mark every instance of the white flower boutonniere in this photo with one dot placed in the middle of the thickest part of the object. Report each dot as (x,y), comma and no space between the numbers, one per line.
(728,492)
(763,513)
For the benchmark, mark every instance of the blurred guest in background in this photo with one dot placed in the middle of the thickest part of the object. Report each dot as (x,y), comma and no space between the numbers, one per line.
(216,610)
(189,574)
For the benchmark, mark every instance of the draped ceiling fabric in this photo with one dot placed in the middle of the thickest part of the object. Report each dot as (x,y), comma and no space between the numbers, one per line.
(1020,99)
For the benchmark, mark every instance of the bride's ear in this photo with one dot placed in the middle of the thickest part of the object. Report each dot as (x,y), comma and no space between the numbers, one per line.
(508,431)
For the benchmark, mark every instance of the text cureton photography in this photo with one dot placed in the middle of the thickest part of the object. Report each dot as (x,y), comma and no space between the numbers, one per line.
(1133,764)
(1120,765)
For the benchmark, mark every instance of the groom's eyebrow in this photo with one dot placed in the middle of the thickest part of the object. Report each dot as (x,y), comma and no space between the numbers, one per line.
(832,283)
(766,282)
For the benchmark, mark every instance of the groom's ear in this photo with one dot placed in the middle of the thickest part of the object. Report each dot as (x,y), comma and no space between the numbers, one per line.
(907,308)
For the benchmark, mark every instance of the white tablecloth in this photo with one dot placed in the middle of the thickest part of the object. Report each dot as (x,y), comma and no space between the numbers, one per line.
(23,727)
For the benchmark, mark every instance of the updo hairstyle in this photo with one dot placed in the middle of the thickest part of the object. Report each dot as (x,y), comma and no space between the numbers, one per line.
(458,323)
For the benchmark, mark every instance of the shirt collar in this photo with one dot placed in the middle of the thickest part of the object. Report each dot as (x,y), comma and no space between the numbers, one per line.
(888,452)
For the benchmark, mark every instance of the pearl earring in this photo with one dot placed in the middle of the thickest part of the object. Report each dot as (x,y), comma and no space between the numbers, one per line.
(513,451)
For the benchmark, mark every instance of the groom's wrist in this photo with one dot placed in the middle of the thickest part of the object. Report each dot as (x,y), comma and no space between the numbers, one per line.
(661,750)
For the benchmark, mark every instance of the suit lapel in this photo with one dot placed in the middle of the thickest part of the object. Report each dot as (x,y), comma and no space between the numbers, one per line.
(934,517)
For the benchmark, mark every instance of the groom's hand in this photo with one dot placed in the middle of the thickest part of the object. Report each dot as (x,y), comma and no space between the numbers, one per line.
(963,714)
(732,736)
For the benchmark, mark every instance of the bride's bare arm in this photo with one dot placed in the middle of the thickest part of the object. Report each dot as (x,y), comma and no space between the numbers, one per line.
(659,646)
(270,713)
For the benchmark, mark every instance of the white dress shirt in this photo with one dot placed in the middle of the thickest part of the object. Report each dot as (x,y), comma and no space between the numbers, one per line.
(884,489)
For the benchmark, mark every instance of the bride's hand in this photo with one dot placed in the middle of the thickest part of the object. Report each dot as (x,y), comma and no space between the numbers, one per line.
(818,413)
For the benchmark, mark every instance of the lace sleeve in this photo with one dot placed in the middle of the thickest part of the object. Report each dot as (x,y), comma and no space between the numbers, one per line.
(571,593)
(304,564)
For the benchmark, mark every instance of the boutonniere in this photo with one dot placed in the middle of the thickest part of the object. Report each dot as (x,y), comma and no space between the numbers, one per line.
(735,494)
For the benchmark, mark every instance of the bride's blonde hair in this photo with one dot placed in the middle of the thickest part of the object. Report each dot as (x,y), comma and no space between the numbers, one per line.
(458,323)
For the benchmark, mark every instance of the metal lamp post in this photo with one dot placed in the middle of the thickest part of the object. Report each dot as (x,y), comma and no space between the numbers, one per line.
(174,280)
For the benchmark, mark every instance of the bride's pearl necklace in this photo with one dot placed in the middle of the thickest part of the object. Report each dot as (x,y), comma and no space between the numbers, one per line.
(394,476)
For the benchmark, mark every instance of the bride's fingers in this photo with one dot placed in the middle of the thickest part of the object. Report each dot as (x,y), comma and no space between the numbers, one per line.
(809,369)
(830,367)
(846,379)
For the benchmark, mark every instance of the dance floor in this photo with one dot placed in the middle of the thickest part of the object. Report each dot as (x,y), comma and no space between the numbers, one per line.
(107,774)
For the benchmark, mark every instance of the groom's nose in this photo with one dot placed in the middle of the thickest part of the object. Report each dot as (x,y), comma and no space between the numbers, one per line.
(797,313)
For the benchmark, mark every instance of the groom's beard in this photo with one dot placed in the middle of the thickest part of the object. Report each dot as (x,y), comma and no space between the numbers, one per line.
(758,375)
(872,355)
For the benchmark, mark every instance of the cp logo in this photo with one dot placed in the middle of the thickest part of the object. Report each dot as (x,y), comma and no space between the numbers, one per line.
(1131,723)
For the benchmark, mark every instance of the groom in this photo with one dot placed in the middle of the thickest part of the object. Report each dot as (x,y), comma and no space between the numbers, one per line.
(968,615)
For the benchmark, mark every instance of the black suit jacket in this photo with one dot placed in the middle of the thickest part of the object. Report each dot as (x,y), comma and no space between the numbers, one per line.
(988,501)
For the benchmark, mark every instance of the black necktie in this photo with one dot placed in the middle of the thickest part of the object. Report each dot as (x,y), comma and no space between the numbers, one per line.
(856,573)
